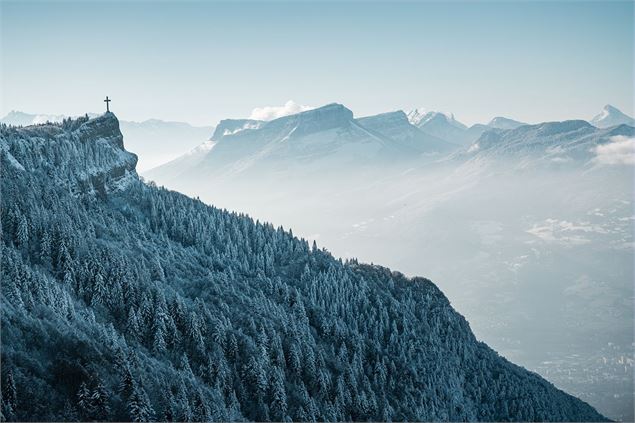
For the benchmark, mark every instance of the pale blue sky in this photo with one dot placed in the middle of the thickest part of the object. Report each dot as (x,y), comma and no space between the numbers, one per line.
(203,61)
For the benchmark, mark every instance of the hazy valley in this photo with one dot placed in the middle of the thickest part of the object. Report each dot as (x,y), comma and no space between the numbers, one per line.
(528,229)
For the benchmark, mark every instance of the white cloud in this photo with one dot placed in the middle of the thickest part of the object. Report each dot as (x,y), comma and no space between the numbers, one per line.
(274,112)
(620,151)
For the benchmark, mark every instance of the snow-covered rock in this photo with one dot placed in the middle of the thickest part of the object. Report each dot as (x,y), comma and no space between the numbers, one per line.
(440,125)
(611,116)
(500,122)
(154,141)
(397,126)
(415,116)
(54,148)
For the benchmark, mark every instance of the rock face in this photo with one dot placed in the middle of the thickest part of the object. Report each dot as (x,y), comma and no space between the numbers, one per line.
(395,125)
(323,118)
(443,126)
(155,141)
(132,303)
(84,154)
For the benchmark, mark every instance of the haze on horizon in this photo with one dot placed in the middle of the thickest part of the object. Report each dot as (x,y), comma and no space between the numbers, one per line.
(201,62)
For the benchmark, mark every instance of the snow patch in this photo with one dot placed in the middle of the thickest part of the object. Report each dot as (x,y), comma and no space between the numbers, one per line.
(473,148)
(565,232)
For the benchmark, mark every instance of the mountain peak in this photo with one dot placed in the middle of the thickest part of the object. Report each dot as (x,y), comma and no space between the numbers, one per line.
(330,116)
(441,118)
(106,165)
(415,115)
(330,109)
(501,122)
(612,116)
(396,116)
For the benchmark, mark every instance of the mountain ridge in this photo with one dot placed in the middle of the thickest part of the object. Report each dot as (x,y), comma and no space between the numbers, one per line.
(396,125)
(328,138)
(157,141)
(154,304)
(572,142)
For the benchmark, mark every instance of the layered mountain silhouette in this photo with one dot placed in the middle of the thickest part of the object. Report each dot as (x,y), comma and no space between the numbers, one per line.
(330,139)
(326,138)
(122,301)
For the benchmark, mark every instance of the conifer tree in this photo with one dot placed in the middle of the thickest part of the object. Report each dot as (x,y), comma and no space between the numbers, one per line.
(9,396)
(139,407)
(99,402)
(84,401)
(278,396)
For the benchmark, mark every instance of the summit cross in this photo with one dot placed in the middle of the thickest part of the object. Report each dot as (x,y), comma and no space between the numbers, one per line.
(107,100)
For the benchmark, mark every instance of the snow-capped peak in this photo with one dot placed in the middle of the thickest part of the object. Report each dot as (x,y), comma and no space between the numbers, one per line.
(415,115)
(318,119)
(611,116)
(500,122)
(441,117)
(419,117)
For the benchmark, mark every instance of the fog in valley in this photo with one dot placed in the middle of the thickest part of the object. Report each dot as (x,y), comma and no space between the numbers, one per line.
(534,248)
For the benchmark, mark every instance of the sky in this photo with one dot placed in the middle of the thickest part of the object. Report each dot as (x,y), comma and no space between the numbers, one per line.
(200,62)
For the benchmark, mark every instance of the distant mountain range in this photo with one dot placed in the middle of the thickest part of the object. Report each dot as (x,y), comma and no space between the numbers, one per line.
(548,143)
(446,127)
(331,139)
(170,148)
(155,141)
(326,138)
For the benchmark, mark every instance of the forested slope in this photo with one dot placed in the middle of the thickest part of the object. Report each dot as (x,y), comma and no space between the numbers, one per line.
(124,301)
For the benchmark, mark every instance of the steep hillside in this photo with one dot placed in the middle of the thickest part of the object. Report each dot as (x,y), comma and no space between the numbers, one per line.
(122,301)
